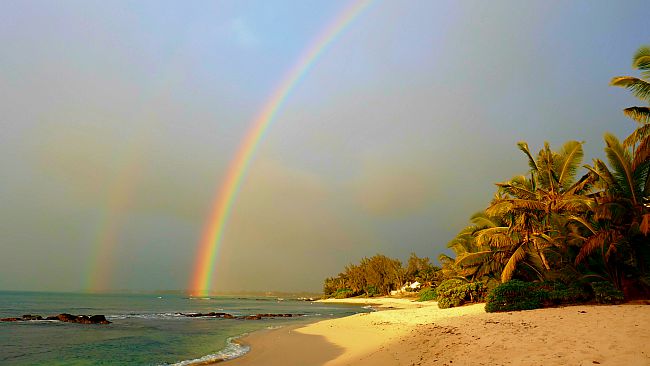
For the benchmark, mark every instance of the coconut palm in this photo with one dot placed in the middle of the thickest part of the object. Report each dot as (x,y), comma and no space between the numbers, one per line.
(617,228)
(536,208)
(640,88)
(476,258)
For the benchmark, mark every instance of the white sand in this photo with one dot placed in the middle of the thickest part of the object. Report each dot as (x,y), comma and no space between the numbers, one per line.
(421,334)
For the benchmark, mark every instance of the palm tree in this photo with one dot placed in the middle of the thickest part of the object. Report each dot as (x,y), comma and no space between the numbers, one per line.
(618,225)
(535,209)
(640,88)
(475,258)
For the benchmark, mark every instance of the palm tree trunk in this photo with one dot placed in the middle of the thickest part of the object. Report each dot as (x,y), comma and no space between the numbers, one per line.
(544,261)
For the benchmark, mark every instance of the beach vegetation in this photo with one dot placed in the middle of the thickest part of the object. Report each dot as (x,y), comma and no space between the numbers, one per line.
(564,222)
(562,232)
(521,295)
(374,276)
(343,293)
(606,293)
(515,295)
(420,270)
(456,292)
(427,294)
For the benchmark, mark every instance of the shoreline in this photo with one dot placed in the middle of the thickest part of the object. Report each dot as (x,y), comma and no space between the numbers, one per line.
(412,333)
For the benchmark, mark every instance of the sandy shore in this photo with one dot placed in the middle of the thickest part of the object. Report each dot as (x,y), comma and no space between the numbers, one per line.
(412,333)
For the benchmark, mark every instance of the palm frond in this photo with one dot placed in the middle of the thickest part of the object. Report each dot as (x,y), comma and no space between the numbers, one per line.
(531,205)
(604,177)
(541,239)
(641,60)
(499,207)
(639,114)
(612,210)
(517,191)
(619,158)
(517,256)
(483,220)
(445,259)
(574,204)
(583,184)
(498,237)
(584,223)
(523,146)
(598,240)
(472,259)
(639,88)
(641,154)
(570,159)
(645,224)
(638,135)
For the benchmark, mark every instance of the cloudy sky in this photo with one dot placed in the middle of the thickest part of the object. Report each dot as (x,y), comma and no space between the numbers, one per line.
(118,121)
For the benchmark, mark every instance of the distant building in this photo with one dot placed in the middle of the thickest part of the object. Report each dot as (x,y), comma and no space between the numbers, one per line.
(406,288)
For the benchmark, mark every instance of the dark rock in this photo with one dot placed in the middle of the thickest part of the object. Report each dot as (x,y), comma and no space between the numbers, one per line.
(11,319)
(32,317)
(191,315)
(65,317)
(99,319)
(82,319)
(197,315)
(245,317)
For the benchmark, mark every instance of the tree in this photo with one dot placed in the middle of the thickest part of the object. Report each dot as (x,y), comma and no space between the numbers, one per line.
(618,226)
(475,257)
(639,140)
(382,273)
(420,269)
(535,209)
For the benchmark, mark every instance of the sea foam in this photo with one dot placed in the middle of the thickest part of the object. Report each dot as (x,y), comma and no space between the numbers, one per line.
(233,350)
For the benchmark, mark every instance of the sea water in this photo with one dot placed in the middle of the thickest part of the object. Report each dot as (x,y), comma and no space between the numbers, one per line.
(145,329)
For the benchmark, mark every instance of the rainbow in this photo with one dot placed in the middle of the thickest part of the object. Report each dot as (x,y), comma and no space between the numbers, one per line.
(117,202)
(213,232)
(120,193)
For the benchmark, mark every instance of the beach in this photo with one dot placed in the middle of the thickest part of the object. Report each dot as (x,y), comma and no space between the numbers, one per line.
(404,332)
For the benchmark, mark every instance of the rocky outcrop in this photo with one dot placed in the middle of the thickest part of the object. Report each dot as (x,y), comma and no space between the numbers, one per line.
(101,319)
(31,317)
(63,317)
(10,319)
(196,315)
(243,317)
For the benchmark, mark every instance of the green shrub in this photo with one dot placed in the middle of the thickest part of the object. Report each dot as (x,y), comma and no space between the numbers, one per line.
(342,293)
(372,291)
(452,293)
(427,294)
(519,295)
(606,293)
(449,284)
(559,293)
(515,295)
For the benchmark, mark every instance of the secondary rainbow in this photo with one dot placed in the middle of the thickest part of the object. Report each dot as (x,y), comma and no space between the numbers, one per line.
(120,194)
(130,161)
(210,242)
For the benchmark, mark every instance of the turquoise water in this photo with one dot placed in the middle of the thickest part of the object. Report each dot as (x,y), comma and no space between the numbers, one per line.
(145,331)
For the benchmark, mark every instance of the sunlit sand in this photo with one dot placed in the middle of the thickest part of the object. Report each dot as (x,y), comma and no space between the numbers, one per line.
(421,334)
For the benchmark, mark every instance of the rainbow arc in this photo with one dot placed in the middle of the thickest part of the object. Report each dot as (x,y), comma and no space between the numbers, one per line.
(211,240)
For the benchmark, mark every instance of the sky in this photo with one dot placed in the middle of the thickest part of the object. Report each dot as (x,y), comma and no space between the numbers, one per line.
(119,120)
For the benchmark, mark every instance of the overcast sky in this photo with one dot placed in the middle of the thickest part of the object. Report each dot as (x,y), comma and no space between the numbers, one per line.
(118,121)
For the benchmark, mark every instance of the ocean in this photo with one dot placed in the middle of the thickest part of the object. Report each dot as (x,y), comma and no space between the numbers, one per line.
(145,329)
